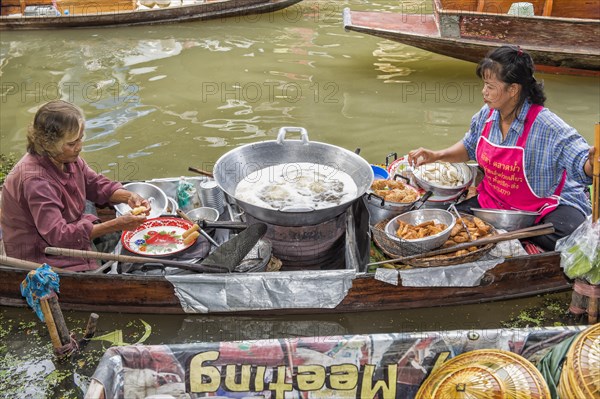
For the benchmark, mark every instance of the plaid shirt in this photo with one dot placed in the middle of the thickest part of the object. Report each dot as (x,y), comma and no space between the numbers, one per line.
(552,147)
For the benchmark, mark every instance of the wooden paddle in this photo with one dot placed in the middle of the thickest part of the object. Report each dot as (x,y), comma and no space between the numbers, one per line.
(27,265)
(77,253)
(527,232)
(596,177)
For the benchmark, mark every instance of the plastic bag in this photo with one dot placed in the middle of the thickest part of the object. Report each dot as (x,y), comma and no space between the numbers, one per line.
(580,252)
(187,197)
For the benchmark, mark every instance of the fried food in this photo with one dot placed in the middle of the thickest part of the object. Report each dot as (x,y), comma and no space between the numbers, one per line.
(425,229)
(138,210)
(189,231)
(477,228)
(394,191)
(191,238)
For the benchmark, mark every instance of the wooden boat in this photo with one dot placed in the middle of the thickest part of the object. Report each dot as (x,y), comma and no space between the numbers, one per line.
(563,36)
(343,290)
(99,13)
(391,365)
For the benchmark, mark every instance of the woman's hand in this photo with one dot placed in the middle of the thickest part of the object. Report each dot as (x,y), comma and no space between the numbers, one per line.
(129,221)
(135,200)
(422,156)
(589,165)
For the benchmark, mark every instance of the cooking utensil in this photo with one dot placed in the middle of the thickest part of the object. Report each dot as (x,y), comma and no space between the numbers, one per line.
(200,171)
(183,215)
(231,253)
(155,196)
(442,190)
(453,207)
(508,220)
(532,231)
(439,216)
(223,225)
(235,165)
(203,213)
(77,253)
(380,209)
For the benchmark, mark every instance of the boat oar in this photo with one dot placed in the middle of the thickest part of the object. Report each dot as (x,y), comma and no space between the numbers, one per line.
(527,232)
(27,265)
(77,253)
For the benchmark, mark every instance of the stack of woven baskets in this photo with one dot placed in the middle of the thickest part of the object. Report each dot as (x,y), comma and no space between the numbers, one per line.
(580,376)
(485,373)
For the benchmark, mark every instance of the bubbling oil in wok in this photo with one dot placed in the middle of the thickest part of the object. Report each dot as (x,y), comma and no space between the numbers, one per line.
(297,185)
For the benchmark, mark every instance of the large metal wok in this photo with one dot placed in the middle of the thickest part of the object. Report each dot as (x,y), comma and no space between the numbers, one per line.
(235,165)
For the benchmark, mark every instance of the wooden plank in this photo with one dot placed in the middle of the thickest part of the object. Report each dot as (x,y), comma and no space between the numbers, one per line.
(547,8)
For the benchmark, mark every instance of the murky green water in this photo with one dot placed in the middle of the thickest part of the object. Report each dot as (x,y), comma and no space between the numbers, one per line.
(161,98)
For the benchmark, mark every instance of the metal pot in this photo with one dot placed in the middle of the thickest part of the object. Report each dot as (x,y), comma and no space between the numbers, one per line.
(235,165)
(380,209)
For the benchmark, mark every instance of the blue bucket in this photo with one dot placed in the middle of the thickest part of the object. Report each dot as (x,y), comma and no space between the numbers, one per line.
(380,173)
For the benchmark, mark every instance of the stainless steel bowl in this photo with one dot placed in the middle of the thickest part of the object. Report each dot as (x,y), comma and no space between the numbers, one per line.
(417,217)
(506,219)
(155,196)
(203,213)
(446,191)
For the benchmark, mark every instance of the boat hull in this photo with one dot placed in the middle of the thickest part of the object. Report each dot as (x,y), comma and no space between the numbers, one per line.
(563,45)
(514,278)
(194,12)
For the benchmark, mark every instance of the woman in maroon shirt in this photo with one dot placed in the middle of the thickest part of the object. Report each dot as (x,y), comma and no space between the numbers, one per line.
(44,196)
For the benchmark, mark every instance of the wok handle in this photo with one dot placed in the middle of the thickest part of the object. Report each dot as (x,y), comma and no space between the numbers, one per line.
(388,156)
(285,129)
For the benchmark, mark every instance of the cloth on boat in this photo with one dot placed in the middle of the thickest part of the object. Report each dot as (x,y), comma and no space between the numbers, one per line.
(204,293)
(385,365)
(464,275)
(43,206)
(39,283)
(551,365)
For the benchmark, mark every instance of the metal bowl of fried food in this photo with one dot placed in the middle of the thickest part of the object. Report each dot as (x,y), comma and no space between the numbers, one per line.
(508,220)
(429,227)
(388,198)
(444,179)
(155,196)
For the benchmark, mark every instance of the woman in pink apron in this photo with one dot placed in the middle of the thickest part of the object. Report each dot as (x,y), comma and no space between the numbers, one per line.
(531,159)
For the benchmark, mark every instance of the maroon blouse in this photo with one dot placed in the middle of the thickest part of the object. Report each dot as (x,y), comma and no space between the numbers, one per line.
(43,206)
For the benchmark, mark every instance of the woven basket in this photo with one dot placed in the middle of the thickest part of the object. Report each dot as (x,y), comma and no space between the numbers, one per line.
(395,249)
(485,374)
(580,375)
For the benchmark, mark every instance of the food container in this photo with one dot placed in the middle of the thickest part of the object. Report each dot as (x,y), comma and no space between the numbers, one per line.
(380,172)
(506,219)
(237,164)
(443,171)
(380,209)
(417,217)
(155,196)
(203,213)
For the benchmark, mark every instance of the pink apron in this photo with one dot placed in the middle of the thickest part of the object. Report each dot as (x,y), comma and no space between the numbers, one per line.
(505,184)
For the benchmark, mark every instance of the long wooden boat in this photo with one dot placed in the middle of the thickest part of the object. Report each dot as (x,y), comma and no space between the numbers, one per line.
(110,13)
(392,365)
(563,36)
(303,292)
